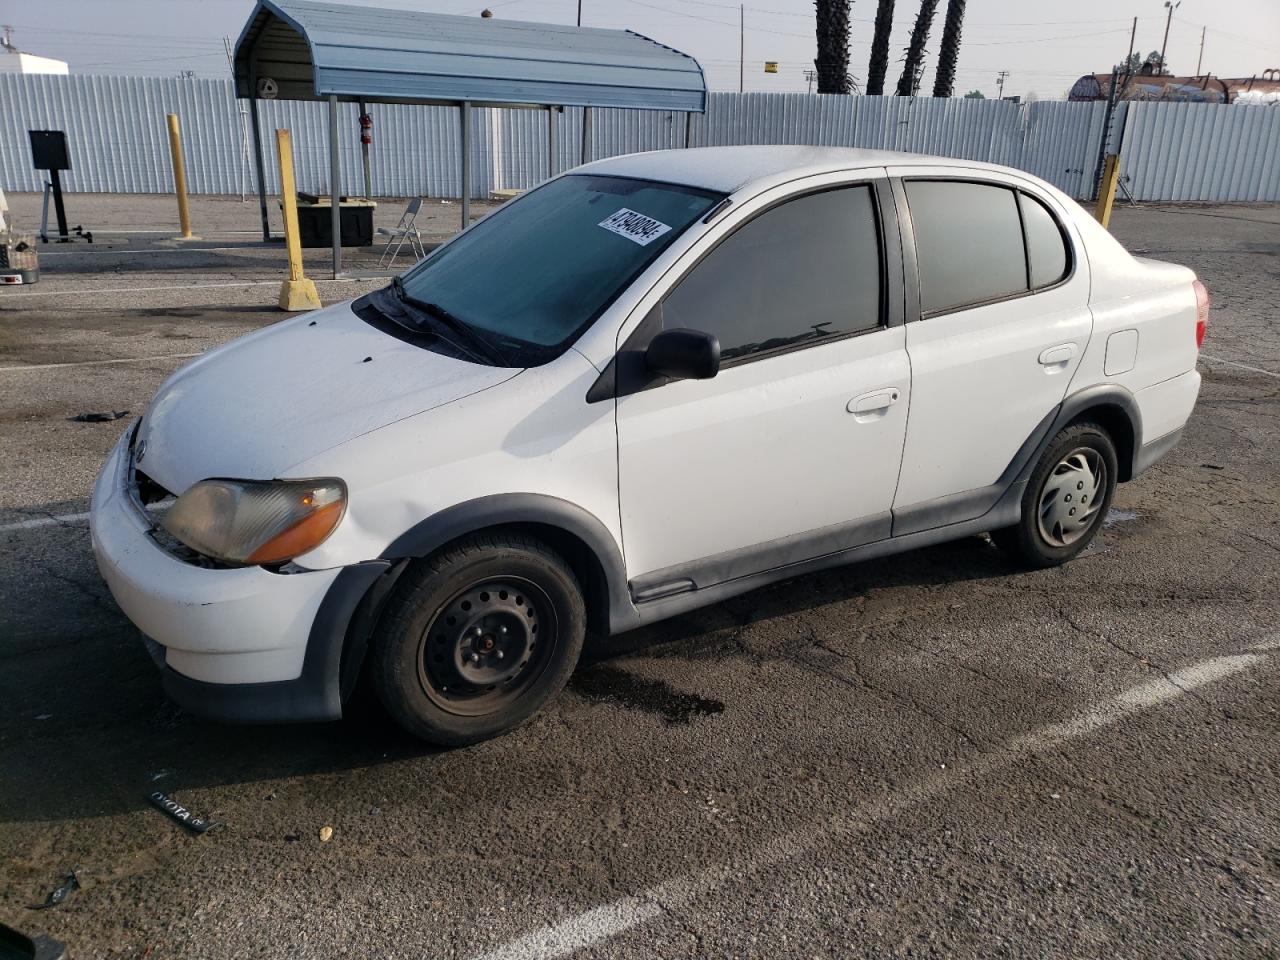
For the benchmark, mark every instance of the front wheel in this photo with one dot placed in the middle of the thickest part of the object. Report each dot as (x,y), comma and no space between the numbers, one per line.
(1067,498)
(477,638)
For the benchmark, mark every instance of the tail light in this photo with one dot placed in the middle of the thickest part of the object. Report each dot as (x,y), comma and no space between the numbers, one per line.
(1202,312)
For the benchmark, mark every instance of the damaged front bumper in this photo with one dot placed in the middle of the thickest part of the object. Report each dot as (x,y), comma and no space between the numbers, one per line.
(240,644)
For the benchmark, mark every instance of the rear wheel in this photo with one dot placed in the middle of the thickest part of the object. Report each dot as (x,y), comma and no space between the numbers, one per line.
(477,638)
(1067,498)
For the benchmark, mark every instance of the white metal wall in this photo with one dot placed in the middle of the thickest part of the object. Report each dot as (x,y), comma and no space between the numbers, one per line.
(116,129)
(1202,151)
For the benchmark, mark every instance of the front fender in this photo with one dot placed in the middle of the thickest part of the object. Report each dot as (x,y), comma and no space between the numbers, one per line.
(542,510)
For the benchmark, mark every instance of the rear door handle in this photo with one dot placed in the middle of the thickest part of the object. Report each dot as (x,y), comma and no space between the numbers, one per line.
(1055,359)
(874,405)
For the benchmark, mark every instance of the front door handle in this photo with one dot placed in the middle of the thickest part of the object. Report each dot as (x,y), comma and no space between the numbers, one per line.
(874,405)
(1056,359)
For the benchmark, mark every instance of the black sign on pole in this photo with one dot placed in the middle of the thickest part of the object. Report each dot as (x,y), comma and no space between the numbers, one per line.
(49,152)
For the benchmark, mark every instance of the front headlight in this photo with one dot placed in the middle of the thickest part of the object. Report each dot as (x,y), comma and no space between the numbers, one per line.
(254,521)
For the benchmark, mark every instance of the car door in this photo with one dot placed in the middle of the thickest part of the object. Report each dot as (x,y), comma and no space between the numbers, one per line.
(1003,322)
(792,450)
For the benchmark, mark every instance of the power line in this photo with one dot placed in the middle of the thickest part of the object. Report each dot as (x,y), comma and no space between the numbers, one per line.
(1238,37)
(1021,40)
(130,60)
(905,23)
(191,41)
(722,23)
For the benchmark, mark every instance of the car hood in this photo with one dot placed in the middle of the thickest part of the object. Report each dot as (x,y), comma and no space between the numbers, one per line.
(257,406)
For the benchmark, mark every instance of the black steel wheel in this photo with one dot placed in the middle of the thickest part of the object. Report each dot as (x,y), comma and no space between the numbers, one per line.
(482,649)
(477,638)
(1067,497)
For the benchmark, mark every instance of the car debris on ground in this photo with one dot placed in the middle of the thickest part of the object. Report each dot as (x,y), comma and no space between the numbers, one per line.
(99,417)
(167,805)
(59,895)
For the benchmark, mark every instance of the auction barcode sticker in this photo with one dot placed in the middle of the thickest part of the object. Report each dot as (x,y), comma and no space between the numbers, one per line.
(634,226)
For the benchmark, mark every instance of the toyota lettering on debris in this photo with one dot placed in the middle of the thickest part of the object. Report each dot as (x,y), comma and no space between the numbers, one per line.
(177,811)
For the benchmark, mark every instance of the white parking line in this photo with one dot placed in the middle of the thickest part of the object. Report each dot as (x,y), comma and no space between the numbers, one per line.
(1242,366)
(601,923)
(44,522)
(170,232)
(94,363)
(136,252)
(183,286)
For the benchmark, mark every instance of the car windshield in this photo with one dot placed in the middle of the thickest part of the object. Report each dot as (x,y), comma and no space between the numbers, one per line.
(529,278)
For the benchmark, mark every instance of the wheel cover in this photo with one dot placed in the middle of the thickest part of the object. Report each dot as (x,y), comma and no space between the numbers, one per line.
(487,645)
(1072,496)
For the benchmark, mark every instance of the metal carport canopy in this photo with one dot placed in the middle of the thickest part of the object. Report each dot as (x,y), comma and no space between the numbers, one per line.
(331,51)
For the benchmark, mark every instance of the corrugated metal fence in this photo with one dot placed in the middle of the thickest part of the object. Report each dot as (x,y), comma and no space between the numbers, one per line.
(116,129)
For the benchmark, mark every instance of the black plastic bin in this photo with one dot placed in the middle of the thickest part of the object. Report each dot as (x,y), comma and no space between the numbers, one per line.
(315,222)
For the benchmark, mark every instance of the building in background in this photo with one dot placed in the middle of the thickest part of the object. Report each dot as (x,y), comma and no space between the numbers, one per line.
(13,60)
(1202,89)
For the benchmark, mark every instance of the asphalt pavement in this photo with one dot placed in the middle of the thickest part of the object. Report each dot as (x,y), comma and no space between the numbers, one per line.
(928,755)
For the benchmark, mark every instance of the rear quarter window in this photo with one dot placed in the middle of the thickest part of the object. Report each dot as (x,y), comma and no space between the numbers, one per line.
(1047,254)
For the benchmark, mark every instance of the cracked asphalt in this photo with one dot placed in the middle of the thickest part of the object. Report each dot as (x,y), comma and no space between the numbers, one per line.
(924,756)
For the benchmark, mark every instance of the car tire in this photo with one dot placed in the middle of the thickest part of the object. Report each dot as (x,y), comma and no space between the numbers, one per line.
(477,638)
(1079,464)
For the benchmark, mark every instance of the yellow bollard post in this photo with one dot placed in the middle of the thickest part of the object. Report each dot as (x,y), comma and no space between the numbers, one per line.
(296,293)
(1107,189)
(179,177)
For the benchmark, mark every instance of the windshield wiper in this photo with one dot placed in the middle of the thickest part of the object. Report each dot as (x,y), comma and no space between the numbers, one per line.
(477,344)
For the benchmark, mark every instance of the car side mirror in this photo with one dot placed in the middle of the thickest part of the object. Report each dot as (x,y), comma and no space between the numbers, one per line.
(683,354)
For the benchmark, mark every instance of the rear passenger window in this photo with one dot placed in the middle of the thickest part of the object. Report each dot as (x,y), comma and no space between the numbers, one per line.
(802,272)
(1046,247)
(968,243)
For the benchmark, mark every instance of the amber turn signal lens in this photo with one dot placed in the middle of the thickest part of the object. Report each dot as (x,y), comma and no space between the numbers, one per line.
(306,534)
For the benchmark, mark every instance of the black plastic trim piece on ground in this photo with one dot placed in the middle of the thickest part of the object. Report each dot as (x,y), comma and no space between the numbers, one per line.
(316,694)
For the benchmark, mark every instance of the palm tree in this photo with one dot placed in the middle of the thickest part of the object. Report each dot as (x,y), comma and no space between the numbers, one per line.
(910,79)
(879,64)
(944,80)
(833,46)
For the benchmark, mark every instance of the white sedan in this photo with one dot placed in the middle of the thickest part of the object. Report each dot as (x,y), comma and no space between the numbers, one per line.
(652,383)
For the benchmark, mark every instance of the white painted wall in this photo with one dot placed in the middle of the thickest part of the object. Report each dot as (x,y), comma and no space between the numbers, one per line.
(29,63)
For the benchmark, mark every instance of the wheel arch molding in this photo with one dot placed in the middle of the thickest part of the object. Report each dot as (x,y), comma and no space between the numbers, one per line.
(1116,409)
(579,536)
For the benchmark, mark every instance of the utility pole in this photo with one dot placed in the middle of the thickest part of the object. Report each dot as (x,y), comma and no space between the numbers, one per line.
(244,120)
(1171,6)
(579,12)
(742,44)
(1200,59)
(811,75)
(1122,76)
(1000,84)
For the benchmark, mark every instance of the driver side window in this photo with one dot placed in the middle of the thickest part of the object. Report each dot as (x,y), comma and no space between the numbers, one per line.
(804,272)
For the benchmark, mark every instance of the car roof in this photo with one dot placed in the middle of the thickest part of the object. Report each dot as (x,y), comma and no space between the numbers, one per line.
(729,169)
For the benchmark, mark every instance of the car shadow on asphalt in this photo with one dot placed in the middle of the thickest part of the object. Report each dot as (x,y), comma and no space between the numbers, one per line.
(971,558)
(88,731)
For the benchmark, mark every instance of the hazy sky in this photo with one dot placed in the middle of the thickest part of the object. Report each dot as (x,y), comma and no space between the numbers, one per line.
(1043,45)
